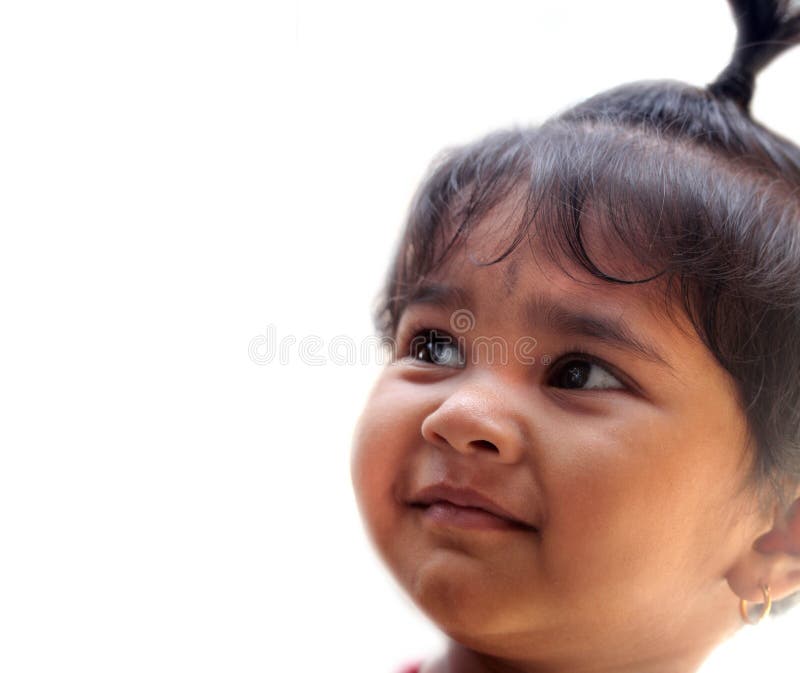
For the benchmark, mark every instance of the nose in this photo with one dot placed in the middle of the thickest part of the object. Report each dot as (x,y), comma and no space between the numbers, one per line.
(478,418)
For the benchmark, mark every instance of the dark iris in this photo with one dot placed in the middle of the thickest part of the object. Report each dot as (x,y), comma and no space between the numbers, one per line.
(574,374)
(436,347)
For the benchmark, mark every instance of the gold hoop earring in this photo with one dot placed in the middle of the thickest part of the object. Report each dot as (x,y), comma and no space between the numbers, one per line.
(764,611)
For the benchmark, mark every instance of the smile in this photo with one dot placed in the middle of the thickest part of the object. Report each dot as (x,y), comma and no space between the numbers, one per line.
(444,513)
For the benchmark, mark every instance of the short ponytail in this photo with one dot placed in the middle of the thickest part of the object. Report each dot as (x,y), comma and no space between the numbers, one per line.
(765,29)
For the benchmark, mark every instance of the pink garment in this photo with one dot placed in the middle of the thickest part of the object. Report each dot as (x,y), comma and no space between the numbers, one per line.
(411,668)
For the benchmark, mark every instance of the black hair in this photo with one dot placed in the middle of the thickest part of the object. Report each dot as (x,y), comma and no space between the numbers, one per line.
(701,196)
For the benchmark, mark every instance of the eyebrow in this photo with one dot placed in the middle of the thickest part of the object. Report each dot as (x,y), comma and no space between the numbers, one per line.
(614,332)
(548,314)
(443,296)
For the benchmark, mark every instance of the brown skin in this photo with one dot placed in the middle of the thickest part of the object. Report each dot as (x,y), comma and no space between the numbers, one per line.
(646,532)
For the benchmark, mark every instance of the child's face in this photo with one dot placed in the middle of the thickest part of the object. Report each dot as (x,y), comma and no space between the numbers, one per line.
(630,469)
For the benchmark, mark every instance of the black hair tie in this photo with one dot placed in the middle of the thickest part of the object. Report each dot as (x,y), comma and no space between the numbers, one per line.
(735,83)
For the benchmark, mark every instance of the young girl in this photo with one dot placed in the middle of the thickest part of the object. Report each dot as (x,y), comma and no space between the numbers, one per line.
(585,455)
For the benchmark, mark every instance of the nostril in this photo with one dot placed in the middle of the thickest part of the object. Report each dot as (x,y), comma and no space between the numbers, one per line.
(439,439)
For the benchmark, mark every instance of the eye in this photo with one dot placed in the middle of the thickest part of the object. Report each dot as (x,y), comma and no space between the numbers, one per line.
(435,347)
(580,372)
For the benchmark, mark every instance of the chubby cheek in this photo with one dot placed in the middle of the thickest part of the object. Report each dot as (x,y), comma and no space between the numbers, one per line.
(379,454)
(633,507)
(371,473)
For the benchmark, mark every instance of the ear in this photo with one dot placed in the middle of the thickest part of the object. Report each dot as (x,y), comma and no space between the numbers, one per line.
(773,560)
(784,538)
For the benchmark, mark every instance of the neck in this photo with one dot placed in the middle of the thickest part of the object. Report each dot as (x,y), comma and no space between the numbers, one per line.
(460,659)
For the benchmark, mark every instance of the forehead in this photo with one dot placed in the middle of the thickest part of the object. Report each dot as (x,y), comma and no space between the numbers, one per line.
(553,235)
(531,272)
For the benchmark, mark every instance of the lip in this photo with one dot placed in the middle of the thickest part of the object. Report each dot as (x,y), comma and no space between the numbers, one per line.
(465,507)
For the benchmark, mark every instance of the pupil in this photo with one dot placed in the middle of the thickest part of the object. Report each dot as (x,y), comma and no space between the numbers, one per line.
(438,347)
(576,375)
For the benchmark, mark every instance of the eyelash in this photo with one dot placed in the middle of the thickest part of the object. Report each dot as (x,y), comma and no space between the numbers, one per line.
(569,354)
(578,354)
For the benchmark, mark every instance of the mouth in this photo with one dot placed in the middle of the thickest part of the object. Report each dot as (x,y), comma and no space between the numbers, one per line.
(463,506)
(448,514)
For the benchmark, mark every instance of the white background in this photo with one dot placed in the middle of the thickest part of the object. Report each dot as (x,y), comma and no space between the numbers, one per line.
(178,178)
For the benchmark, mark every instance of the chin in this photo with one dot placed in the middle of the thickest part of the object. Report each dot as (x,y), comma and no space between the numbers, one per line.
(466,610)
